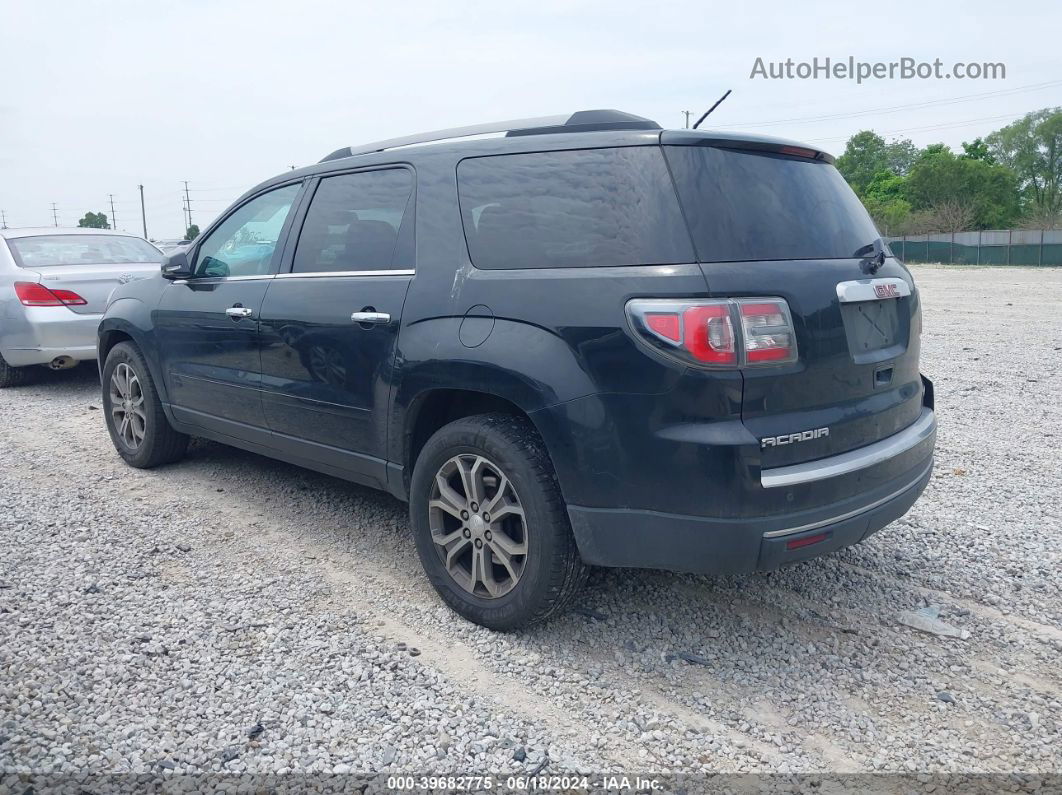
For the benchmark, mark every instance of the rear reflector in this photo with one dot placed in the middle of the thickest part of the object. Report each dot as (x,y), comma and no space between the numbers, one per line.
(730,333)
(668,326)
(806,541)
(34,294)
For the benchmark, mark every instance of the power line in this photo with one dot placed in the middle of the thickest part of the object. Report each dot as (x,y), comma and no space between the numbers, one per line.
(895,108)
(1005,116)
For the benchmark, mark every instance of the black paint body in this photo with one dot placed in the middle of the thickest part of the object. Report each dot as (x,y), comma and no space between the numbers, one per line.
(659,462)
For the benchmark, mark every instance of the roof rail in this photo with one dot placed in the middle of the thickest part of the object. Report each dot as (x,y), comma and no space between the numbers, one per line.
(580,121)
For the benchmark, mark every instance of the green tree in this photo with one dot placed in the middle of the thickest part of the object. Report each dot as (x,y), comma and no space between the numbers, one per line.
(1032,148)
(94,221)
(977,149)
(901,155)
(192,232)
(885,200)
(867,154)
(864,155)
(987,194)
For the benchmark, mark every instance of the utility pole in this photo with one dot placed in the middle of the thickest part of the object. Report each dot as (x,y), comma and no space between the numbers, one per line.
(55,214)
(3,220)
(188,203)
(143,212)
(687,114)
(114,220)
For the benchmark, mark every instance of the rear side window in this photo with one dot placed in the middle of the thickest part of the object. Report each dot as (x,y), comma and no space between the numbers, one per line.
(353,222)
(39,251)
(745,205)
(590,207)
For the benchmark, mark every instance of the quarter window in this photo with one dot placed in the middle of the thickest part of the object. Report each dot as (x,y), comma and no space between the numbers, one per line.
(244,243)
(353,222)
(578,208)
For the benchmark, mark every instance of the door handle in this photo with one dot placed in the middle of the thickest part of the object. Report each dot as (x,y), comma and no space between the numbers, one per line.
(371,318)
(236,312)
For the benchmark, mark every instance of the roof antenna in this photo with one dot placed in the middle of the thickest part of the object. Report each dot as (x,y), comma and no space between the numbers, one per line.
(718,102)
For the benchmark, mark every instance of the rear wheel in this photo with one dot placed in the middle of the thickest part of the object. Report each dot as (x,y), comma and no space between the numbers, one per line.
(135,420)
(490,524)
(12,376)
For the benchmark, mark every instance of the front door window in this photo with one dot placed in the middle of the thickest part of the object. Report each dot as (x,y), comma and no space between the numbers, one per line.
(245,242)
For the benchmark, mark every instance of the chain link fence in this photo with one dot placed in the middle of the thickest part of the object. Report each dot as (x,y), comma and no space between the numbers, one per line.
(986,247)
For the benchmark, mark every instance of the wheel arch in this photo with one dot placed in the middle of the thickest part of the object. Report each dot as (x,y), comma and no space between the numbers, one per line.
(113,330)
(434,408)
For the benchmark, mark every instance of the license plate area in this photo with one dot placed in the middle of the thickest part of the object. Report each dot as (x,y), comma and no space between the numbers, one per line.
(875,329)
(875,321)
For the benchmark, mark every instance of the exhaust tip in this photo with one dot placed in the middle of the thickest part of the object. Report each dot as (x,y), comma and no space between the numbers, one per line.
(62,363)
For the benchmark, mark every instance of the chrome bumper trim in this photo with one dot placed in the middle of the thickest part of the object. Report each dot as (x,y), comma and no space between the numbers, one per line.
(924,427)
(788,531)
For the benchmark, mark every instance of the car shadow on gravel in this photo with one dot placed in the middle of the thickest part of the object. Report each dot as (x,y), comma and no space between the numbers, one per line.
(74,379)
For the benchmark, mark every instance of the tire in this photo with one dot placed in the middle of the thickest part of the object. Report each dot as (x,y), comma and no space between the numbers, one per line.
(506,453)
(159,443)
(12,376)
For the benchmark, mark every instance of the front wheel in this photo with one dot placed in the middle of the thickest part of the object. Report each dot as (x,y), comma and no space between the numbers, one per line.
(135,420)
(490,524)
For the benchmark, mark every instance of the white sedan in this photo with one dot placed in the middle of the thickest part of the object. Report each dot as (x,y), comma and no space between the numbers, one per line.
(54,286)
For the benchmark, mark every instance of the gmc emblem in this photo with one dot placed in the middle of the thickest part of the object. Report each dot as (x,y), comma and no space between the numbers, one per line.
(887,290)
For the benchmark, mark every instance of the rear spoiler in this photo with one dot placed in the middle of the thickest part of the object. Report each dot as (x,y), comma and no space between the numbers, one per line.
(745,142)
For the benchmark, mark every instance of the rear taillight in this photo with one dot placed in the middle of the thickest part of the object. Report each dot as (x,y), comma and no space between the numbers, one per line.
(735,332)
(767,330)
(34,294)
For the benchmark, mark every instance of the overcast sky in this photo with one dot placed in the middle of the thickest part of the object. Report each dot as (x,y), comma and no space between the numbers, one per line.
(98,97)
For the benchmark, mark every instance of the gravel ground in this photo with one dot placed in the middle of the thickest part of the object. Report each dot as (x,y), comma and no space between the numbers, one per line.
(232,613)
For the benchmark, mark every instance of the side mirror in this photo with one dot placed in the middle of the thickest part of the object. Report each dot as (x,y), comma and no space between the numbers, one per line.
(177,266)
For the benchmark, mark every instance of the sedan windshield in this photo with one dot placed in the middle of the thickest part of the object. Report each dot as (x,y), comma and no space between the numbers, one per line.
(41,251)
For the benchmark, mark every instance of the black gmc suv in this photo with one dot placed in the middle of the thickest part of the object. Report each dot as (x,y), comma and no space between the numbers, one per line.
(584,340)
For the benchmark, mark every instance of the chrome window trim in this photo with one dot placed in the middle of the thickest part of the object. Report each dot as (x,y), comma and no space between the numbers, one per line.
(325,274)
(218,279)
(863,290)
(861,458)
(862,509)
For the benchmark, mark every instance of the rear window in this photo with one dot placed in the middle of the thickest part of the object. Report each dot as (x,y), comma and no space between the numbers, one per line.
(41,251)
(743,205)
(580,208)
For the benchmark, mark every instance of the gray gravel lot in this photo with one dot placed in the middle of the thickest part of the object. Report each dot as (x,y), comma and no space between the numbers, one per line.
(231,613)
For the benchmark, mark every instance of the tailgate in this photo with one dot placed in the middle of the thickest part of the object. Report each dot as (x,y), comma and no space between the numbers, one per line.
(858,342)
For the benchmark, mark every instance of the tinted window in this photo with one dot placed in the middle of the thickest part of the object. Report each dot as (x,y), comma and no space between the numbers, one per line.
(43,250)
(353,222)
(756,206)
(568,209)
(244,243)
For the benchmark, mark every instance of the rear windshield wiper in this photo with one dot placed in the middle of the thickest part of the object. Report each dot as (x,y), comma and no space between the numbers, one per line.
(873,255)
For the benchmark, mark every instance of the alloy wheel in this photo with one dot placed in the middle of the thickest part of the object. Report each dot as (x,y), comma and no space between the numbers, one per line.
(478,526)
(127,406)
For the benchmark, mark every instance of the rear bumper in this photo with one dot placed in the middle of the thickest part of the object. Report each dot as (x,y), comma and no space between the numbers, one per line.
(40,334)
(650,539)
